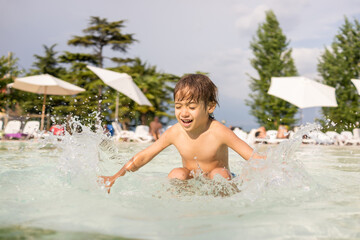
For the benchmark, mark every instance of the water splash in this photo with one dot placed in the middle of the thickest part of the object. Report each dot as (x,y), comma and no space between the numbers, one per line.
(85,152)
(81,150)
(281,174)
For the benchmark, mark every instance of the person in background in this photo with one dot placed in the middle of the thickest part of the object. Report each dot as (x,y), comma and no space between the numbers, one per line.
(260,132)
(282,132)
(155,128)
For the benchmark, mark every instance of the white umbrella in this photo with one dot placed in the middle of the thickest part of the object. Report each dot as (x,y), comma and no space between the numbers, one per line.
(123,83)
(303,92)
(356,82)
(47,85)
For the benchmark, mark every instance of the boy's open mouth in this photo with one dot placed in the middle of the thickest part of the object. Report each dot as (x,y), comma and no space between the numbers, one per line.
(186,121)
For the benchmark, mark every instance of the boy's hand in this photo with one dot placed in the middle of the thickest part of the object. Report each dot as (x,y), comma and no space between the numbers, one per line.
(107,181)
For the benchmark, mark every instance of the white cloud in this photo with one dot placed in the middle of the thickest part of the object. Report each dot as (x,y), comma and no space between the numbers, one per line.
(183,36)
(306,60)
(250,18)
(310,22)
(228,70)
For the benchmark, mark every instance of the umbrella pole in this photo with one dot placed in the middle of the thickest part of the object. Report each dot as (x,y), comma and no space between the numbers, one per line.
(117,108)
(43,113)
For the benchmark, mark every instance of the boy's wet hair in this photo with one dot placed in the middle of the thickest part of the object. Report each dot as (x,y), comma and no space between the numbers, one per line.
(196,87)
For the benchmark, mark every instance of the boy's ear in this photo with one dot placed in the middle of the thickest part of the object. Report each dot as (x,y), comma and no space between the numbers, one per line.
(211,107)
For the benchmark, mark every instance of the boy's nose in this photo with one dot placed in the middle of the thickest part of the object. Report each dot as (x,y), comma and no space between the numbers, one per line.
(184,112)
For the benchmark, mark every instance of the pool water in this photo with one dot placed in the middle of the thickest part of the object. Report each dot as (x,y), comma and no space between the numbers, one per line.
(49,190)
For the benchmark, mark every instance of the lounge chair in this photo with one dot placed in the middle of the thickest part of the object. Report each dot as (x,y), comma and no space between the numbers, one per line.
(13,130)
(142,134)
(356,133)
(31,129)
(320,138)
(317,137)
(240,133)
(271,136)
(335,137)
(121,134)
(352,138)
(251,139)
(1,129)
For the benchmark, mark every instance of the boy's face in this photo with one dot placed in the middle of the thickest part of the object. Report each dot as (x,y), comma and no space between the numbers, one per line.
(191,115)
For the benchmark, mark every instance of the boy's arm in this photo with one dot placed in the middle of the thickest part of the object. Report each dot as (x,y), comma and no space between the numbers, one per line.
(140,159)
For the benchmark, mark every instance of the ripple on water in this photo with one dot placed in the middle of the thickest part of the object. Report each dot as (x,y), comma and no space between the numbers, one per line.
(298,192)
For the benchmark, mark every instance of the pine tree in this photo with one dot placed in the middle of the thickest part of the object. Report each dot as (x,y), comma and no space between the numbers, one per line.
(48,64)
(156,86)
(9,70)
(100,34)
(338,65)
(272,58)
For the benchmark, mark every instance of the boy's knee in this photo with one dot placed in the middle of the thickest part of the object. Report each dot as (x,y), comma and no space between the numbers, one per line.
(225,173)
(179,173)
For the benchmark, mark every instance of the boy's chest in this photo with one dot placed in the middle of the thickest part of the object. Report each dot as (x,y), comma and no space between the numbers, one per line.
(201,149)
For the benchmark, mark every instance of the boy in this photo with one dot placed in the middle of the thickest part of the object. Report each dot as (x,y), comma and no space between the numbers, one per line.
(201,141)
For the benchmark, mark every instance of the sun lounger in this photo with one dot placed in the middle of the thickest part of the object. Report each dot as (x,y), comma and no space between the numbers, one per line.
(240,133)
(31,129)
(306,139)
(13,130)
(120,134)
(1,129)
(320,138)
(335,137)
(142,134)
(350,138)
(251,139)
(271,136)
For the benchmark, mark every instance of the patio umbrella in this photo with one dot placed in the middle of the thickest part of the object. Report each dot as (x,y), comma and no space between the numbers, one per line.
(47,85)
(356,82)
(302,92)
(123,83)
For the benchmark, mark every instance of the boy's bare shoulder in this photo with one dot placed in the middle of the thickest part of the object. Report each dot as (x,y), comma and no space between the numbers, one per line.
(219,129)
(218,125)
(173,130)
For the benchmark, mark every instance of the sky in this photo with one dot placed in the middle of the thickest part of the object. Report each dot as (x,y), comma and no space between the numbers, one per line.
(184,36)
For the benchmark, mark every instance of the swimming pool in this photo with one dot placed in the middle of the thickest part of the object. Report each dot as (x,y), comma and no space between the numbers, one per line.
(48,190)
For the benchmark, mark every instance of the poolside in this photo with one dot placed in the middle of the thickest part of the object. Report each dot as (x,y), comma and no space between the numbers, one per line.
(49,190)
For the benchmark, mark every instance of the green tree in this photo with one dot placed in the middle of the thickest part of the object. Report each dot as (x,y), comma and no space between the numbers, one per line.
(97,36)
(272,58)
(47,64)
(83,105)
(338,65)
(157,87)
(10,100)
